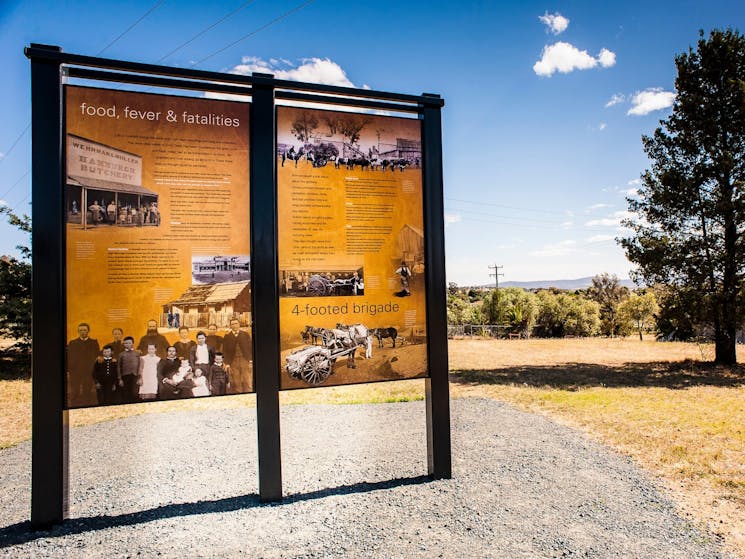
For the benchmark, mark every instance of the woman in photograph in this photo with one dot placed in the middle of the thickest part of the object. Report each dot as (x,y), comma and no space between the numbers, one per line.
(149,374)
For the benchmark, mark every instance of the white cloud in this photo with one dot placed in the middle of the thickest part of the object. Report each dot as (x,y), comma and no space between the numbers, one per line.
(2,155)
(3,203)
(602,126)
(607,58)
(616,99)
(633,189)
(555,23)
(600,238)
(651,99)
(314,70)
(452,218)
(562,248)
(603,222)
(567,225)
(564,57)
(594,207)
(613,220)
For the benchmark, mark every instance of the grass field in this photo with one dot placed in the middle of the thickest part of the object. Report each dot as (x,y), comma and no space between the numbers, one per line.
(679,418)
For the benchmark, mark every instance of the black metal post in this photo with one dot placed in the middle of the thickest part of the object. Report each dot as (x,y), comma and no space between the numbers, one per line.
(436,385)
(265,285)
(49,469)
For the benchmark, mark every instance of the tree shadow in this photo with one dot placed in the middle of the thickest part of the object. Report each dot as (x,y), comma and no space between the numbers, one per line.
(15,365)
(24,532)
(575,376)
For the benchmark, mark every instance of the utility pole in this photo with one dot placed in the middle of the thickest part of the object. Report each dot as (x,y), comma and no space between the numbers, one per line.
(496,275)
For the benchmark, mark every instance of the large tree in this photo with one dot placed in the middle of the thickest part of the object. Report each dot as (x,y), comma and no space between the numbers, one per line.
(688,225)
(15,289)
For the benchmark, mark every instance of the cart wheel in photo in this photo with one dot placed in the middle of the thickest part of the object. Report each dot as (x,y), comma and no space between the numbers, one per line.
(316,369)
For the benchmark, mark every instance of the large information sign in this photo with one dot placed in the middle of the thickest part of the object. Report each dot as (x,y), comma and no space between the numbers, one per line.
(351,248)
(158,263)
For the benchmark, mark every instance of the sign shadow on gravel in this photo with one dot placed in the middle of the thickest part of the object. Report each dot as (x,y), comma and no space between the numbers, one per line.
(23,532)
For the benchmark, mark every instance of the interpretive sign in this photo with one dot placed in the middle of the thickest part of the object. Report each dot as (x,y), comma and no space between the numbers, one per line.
(189,246)
(351,248)
(158,247)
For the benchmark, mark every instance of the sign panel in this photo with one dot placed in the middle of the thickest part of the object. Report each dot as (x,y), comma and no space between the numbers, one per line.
(158,263)
(351,248)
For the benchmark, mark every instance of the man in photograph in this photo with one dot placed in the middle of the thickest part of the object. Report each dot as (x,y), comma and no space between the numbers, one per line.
(201,356)
(167,368)
(236,348)
(155,338)
(128,372)
(81,355)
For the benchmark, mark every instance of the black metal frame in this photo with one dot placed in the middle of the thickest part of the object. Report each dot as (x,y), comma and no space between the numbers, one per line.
(49,488)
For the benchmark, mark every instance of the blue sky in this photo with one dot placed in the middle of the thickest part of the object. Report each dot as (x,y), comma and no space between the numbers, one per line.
(546,103)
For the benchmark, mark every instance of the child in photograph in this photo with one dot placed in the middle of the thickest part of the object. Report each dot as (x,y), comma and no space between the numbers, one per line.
(183,370)
(183,380)
(148,380)
(219,380)
(200,384)
(104,375)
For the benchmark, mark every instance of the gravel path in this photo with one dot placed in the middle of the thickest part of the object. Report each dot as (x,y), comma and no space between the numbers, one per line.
(184,485)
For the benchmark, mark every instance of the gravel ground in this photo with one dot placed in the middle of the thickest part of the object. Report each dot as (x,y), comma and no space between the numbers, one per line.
(185,484)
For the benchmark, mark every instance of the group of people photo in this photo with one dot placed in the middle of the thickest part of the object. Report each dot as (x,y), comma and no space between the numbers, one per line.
(120,214)
(120,372)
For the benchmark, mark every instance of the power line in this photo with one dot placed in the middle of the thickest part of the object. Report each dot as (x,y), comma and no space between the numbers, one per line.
(521,218)
(481,203)
(538,227)
(15,184)
(195,37)
(13,209)
(123,33)
(252,33)
(28,126)
(15,142)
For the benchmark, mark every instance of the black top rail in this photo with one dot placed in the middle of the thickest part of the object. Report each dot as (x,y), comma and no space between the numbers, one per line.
(53,53)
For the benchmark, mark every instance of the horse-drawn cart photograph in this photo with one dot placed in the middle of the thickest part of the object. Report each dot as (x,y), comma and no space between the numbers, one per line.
(348,354)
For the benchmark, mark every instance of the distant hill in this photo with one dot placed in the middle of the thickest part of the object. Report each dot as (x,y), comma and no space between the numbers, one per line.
(569,284)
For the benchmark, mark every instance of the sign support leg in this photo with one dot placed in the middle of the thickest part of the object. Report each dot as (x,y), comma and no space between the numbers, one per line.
(265,286)
(437,397)
(49,444)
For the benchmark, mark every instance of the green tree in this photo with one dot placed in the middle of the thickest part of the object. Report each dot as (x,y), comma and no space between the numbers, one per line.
(687,229)
(640,310)
(608,292)
(15,289)
(565,314)
(512,308)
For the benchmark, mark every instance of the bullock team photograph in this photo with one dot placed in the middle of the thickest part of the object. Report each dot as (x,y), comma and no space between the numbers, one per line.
(308,279)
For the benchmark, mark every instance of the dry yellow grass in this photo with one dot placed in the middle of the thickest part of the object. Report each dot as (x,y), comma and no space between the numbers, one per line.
(678,418)
(682,420)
